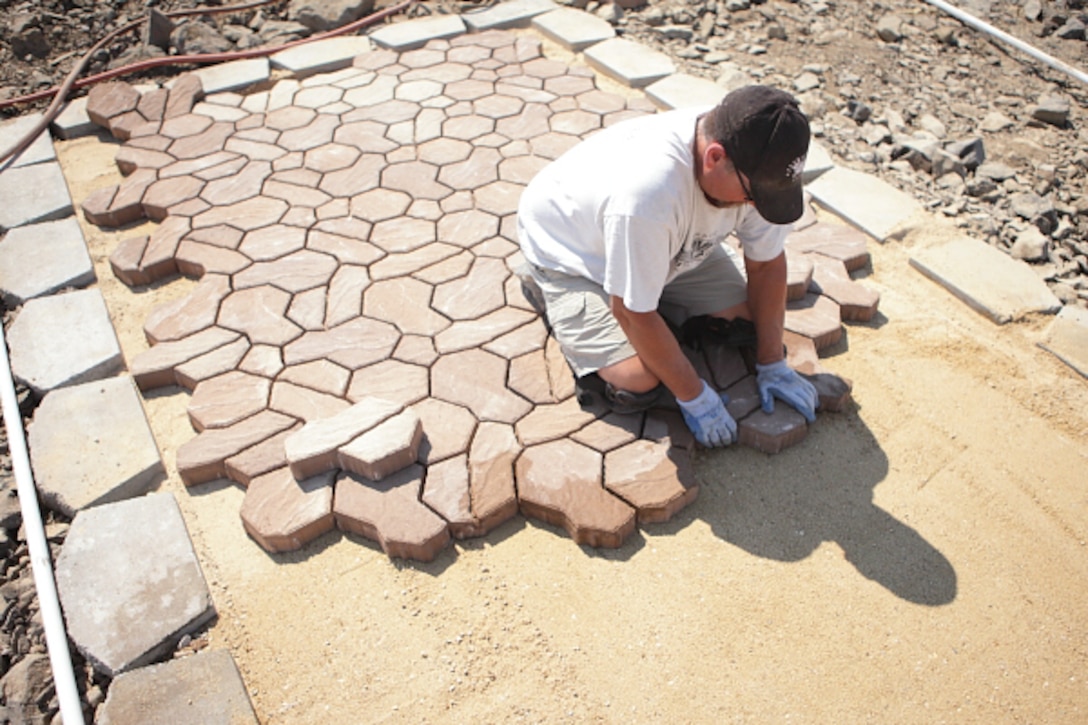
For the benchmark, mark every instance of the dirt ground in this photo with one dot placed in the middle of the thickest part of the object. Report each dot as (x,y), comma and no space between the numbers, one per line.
(920,558)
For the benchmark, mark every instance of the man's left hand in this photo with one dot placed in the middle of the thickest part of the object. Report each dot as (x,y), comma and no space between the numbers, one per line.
(779,380)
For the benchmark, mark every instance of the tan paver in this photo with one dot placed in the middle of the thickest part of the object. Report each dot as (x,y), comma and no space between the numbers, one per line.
(284,514)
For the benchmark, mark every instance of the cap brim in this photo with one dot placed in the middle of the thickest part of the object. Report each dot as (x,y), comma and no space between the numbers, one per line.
(779,201)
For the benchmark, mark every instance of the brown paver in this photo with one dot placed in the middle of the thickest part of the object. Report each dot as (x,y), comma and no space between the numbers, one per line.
(284,514)
(390,512)
(656,478)
(354,235)
(384,449)
(560,484)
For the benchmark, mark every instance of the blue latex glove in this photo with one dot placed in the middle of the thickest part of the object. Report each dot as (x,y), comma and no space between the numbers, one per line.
(708,419)
(779,380)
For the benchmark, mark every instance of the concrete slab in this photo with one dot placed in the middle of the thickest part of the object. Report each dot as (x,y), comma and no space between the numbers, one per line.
(156,592)
(234,75)
(63,340)
(509,14)
(39,259)
(817,162)
(987,279)
(40,150)
(73,121)
(1067,338)
(680,90)
(205,688)
(573,29)
(34,193)
(416,33)
(91,444)
(629,62)
(321,56)
(866,201)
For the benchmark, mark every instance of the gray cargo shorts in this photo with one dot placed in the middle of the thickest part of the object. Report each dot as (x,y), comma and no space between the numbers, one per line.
(580,313)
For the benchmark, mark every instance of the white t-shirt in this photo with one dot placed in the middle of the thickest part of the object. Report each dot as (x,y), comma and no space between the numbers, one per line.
(624,209)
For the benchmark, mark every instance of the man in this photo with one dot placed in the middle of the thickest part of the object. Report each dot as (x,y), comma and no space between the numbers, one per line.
(631,224)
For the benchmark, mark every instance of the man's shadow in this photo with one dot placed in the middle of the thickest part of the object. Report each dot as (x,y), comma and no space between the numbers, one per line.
(786,517)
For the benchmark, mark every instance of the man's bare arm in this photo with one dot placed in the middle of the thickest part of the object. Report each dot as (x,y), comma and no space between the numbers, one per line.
(767,305)
(658,349)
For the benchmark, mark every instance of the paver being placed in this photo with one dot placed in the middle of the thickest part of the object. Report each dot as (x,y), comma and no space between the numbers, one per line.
(40,259)
(109,456)
(205,688)
(63,340)
(156,591)
(987,279)
(356,235)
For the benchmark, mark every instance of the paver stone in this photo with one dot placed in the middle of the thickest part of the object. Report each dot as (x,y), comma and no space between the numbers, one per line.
(549,422)
(205,688)
(34,193)
(190,314)
(284,514)
(202,459)
(560,483)
(109,456)
(259,459)
(390,512)
(772,432)
(838,241)
(476,379)
(353,345)
(313,449)
(655,478)
(156,591)
(855,300)
(493,497)
(384,449)
(447,429)
(40,259)
(816,317)
(63,339)
(305,404)
(227,399)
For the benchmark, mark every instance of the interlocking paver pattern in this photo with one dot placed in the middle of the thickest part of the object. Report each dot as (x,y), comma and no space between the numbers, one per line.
(358,310)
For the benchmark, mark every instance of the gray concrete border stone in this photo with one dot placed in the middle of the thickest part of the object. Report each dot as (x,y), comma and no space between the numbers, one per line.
(412,34)
(40,259)
(573,29)
(130,583)
(205,688)
(987,279)
(63,340)
(509,14)
(866,201)
(34,193)
(629,62)
(40,150)
(91,444)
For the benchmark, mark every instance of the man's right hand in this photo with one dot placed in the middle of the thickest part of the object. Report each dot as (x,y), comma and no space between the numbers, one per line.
(709,421)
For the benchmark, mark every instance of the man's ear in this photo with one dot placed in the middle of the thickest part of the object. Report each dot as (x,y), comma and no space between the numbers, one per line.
(714,154)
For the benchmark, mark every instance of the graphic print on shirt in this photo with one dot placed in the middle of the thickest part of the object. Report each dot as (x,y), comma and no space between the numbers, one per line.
(690,255)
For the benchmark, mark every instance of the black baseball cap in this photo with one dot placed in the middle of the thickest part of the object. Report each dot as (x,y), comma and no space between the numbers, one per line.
(766,136)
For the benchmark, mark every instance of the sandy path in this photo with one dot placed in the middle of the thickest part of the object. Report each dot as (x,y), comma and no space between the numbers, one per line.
(918,559)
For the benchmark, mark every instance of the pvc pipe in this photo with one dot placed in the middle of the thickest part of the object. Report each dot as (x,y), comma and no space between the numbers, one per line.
(56,638)
(1035,53)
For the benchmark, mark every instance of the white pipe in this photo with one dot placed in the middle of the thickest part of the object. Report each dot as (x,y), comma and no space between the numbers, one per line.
(56,638)
(1014,42)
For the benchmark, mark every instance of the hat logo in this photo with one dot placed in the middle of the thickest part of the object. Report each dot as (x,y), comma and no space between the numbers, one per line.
(795,167)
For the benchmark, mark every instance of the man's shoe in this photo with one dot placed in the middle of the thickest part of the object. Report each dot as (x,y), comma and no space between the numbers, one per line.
(591,390)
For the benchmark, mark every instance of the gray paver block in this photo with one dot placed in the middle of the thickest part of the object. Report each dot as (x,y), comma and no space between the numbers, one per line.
(40,150)
(321,56)
(205,688)
(412,34)
(234,75)
(130,583)
(73,121)
(63,340)
(629,62)
(680,90)
(90,444)
(572,28)
(817,162)
(1067,338)
(39,259)
(34,193)
(987,279)
(509,14)
(865,201)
